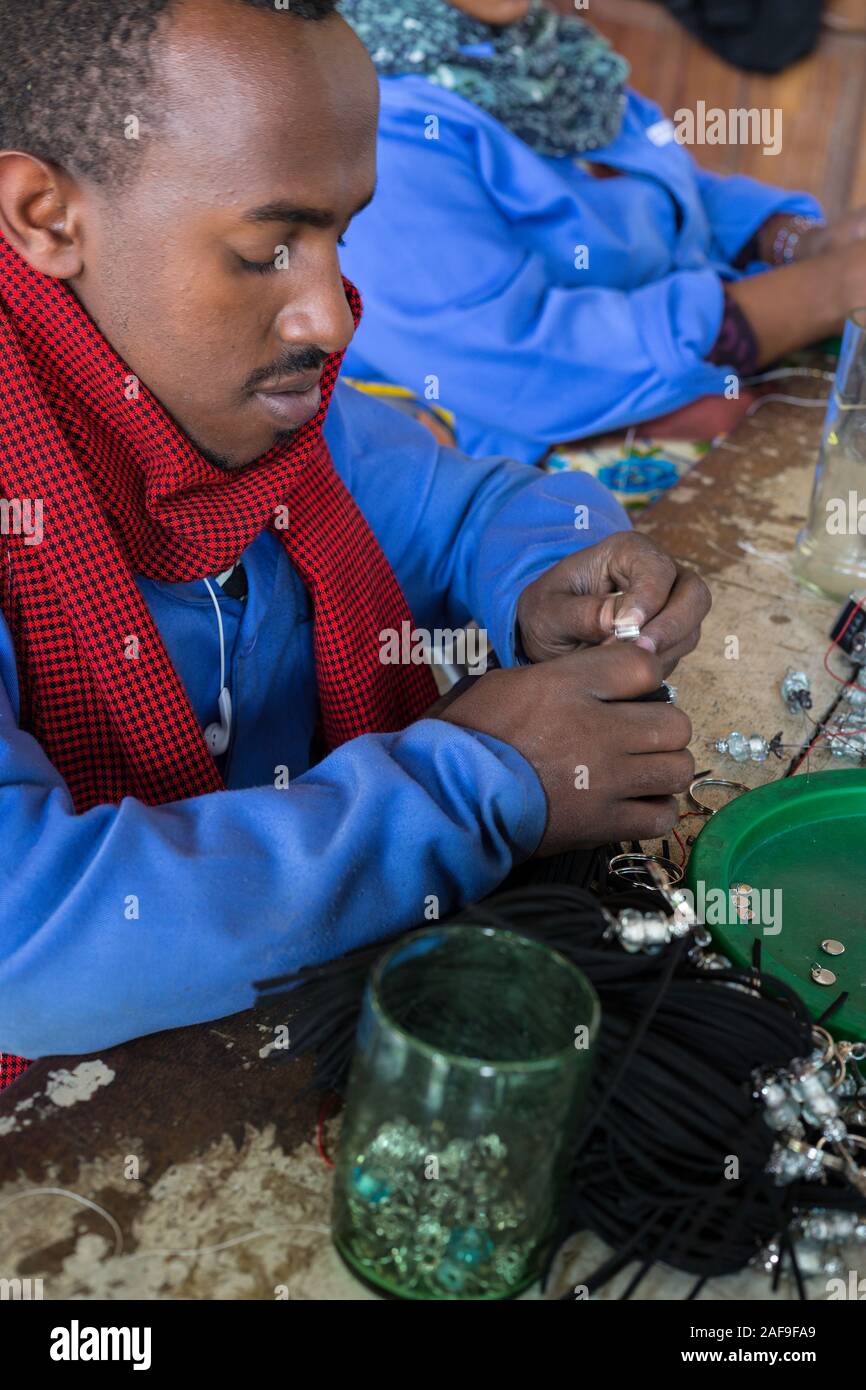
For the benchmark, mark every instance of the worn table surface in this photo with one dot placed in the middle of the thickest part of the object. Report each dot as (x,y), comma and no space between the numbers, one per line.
(182,1166)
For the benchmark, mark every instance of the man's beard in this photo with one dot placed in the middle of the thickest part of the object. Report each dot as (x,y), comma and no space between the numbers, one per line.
(293,360)
(230,465)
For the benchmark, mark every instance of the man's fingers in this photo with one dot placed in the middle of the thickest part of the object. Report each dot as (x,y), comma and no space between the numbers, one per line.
(645,575)
(673,656)
(568,619)
(687,606)
(653,728)
(624,578)
(647,818)
(657,774)
(571,620)
(616,672)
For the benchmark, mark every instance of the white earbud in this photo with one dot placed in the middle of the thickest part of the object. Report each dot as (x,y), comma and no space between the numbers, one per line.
(218,736)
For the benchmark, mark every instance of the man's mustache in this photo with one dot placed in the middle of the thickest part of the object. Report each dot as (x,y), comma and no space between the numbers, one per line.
(292,363)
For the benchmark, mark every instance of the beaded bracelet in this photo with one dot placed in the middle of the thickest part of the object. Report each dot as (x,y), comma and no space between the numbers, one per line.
(788,238)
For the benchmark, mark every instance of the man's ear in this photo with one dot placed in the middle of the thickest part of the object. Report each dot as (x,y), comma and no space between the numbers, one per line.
(39,214)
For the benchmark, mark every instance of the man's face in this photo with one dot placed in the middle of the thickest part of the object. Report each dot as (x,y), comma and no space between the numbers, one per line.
(268,142)
(494,11)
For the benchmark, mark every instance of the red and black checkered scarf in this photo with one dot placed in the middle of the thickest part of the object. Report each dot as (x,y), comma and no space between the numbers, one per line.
(124,492)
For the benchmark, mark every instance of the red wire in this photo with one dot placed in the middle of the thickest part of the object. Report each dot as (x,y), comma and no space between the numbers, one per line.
(858,607)
(852,685)
(320,1130)
(681,845)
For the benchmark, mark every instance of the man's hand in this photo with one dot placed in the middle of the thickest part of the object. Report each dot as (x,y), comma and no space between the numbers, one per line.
(609,769)
(574,601)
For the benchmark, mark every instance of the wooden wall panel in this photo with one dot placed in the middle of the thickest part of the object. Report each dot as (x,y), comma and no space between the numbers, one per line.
(820,100)
(823,98)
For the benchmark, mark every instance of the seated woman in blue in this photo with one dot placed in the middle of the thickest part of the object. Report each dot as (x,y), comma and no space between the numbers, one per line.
(543,257)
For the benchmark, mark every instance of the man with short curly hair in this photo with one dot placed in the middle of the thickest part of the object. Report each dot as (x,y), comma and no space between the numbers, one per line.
(218,564)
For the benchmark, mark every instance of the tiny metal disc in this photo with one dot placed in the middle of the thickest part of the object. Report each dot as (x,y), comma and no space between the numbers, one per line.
(800,839)
(832,947)
(741,894)
(822,976)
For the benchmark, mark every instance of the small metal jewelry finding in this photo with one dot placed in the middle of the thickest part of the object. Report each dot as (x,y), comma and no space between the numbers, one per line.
(741,896)
(705,781)
(832,947)
(634,866)
(822,976)
(626,632)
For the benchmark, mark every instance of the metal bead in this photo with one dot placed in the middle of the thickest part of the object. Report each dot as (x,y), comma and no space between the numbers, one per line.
(843,1223)
(787,1166)
(782,1116)
(656,932)
(836,1130)
(769,1256)
(742,749)
(773,1094)
(795,691)
(712,960)
(811,1257)
(818,1228)
(814,1168)
(736,744)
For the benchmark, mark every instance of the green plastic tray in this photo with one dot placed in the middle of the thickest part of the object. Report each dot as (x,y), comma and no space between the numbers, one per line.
(804,836)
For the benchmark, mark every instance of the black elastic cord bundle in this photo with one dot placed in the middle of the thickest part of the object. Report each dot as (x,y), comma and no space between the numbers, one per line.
(671,1103)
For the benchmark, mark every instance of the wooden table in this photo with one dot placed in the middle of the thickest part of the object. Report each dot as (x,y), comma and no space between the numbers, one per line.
(180,1166)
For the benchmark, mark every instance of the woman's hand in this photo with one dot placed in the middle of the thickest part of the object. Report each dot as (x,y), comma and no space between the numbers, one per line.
(805,242)
(797,305)
(834,236)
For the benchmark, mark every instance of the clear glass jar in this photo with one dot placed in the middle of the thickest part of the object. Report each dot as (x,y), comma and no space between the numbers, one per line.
(830,558)
(471,1068)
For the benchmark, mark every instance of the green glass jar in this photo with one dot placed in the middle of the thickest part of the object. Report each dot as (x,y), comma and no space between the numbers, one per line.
(471,1068)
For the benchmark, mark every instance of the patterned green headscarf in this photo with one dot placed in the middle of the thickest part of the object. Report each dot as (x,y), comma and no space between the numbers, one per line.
(551,79)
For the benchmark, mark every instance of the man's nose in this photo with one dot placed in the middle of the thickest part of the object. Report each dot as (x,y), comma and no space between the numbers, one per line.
(318,312)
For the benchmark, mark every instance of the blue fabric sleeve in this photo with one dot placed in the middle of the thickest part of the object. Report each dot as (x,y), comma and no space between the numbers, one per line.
(131,919)
(463,536)
(735,206)
(506,343)
(738,206)
(468,261)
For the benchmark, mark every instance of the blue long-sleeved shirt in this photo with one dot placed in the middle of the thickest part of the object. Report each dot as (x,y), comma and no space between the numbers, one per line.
(129,919)
(538,303)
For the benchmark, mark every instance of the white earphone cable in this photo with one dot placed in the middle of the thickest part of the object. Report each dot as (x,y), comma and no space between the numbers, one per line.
(219,615)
